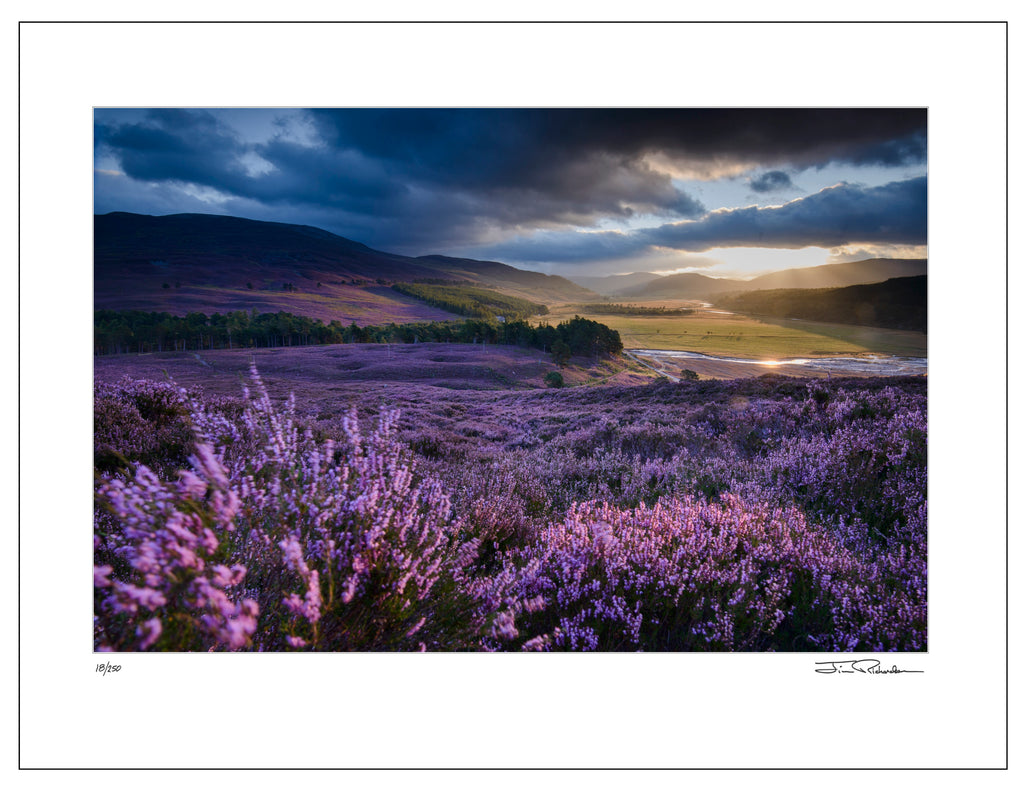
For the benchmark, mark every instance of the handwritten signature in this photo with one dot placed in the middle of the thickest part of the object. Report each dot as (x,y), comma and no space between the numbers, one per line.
(870,666)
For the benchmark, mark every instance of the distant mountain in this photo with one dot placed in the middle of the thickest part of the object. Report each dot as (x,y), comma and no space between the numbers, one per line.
(694,286)
(900,304)
(852,273)
(687,285)
(212,263)
(613,285)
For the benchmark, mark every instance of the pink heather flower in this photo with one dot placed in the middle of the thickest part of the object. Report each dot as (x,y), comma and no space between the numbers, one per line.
(350,590)
(133,597)
(538,643)
(238,631)
(207,462)
(149,631)
(602,532)
(225,507)
(192,485)
(504,626)
(209,541)
(296,642)
(293,555)
(313,600)
(224,577)
(293,603)
(101,576)
(417,627)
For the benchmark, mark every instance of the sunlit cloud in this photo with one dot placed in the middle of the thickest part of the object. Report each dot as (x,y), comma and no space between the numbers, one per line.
(704,169)
(842,254)
(843,215)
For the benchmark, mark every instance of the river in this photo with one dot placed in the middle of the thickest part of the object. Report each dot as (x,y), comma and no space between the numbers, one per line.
(669,363)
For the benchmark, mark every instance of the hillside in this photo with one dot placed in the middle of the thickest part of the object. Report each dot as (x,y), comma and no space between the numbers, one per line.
(898,304)
(851,273)
(226,249)
(688,285)
(611,285)
(207,263)
(522,283)
(695,286)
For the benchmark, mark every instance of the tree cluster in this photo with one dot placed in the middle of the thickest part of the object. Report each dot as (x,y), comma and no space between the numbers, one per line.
(116,332)
(136,331)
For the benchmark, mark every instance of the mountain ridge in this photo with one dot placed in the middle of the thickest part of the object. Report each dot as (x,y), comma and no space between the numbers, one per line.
(206,263)
(692,285)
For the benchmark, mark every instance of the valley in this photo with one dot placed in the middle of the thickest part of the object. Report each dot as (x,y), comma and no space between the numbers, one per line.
(716,332)
(185,264)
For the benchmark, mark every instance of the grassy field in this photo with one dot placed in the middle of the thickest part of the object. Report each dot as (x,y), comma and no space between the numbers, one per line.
(332,302)
(734,335)
(319,373)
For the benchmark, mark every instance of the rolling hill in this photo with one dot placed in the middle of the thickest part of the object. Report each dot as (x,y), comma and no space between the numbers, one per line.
(210,263)
(517,282)
(851,273)
(687,285)
(898,304)
(695,286)
(611,285)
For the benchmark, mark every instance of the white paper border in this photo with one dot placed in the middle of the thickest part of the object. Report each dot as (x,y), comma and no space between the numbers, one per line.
(511,711)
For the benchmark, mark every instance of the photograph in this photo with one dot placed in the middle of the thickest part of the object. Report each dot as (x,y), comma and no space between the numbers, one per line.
(475,395)
(505,379)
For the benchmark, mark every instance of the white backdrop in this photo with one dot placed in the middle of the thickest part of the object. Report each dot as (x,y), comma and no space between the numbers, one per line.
(515,711)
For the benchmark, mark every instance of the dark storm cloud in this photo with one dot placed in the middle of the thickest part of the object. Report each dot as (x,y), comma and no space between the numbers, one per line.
(177,146)
(772,181)
(896,213)
(911,149)
(457,168)
(595,161)
(529,141)
(193,147)
(462,176)
(516,167)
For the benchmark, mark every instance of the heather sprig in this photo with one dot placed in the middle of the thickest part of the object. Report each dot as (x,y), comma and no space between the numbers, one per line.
(168,584)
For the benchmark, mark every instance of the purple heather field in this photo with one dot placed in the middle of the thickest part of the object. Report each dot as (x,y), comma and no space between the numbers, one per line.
(365,502)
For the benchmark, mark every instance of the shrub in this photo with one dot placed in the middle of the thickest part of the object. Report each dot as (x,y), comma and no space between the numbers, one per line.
(554,379)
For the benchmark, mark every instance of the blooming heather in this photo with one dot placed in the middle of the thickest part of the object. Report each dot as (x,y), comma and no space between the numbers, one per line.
(756,515)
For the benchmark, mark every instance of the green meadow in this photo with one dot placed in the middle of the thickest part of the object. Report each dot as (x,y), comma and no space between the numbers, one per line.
(735,335)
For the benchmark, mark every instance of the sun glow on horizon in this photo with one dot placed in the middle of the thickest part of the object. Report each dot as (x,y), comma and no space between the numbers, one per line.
(744,263)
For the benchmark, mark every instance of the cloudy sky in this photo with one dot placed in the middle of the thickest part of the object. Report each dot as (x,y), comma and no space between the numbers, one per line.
(574,192)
